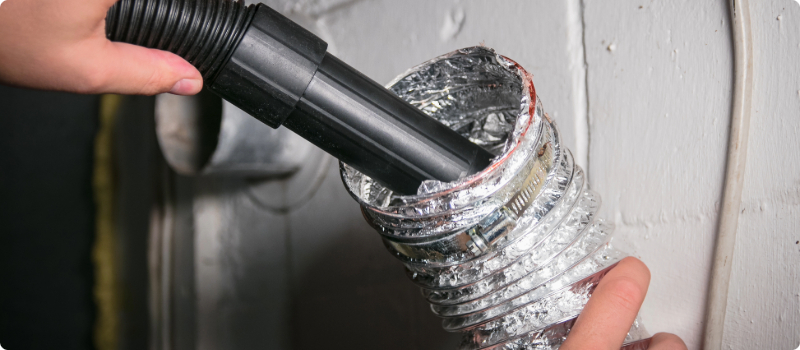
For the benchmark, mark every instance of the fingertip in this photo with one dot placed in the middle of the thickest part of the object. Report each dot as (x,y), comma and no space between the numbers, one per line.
(624,292)
(607,317)
(185,80)
(626,284)
(667,341)
(635,267)
(187,87)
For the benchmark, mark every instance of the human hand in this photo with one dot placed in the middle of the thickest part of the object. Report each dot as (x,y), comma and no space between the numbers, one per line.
(610,312)
(62,45)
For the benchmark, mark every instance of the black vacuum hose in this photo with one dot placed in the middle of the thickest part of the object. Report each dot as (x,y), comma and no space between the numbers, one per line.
(278,72)
(203,32)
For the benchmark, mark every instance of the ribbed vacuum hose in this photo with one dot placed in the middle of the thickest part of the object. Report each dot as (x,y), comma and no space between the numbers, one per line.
(203,32)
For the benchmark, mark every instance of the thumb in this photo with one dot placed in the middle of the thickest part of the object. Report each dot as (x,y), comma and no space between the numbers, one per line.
(135,70)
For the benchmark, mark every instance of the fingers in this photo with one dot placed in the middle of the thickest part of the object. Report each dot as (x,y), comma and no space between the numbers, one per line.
(666,341)
(135,70)
(607,317)
(62,46)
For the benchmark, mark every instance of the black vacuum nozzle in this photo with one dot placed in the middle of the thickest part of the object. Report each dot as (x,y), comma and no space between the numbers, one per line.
(280,73)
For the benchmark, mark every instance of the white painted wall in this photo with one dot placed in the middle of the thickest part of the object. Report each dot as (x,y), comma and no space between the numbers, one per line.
(659,77)
(642,91)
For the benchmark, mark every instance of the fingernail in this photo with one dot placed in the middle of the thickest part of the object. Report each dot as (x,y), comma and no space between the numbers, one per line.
(185,87)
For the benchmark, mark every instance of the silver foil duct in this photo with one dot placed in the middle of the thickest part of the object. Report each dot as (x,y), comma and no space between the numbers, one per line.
(511,255)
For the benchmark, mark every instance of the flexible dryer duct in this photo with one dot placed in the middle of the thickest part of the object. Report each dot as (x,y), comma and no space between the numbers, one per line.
(508,256)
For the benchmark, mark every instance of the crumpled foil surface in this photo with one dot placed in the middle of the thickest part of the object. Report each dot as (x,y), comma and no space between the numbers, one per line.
(522,288)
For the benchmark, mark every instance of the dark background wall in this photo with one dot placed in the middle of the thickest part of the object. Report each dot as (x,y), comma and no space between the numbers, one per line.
(46,219)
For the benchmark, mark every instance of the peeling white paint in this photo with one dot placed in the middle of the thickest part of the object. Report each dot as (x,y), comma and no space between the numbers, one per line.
(315,8)
(453,22)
